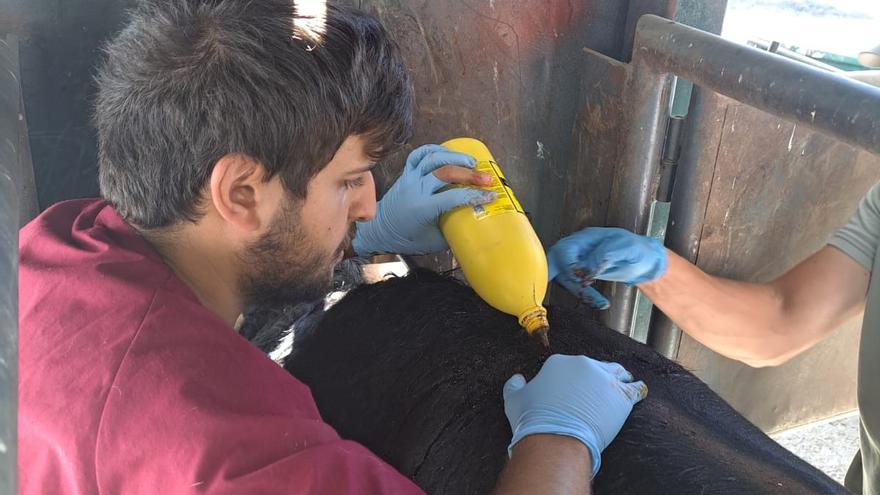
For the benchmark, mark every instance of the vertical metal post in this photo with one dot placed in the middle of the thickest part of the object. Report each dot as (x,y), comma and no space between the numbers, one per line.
(684,228)
(635,182)
(9,218)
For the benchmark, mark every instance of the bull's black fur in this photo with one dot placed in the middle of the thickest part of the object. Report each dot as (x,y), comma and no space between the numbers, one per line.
(413,369)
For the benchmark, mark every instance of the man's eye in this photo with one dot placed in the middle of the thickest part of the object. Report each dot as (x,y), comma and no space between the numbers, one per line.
(354,183)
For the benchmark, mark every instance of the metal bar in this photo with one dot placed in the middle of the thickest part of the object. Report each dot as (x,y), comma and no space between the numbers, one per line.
(9,218)
(669,160)
(847,110)
(635,10)
(685,216)
(635,182)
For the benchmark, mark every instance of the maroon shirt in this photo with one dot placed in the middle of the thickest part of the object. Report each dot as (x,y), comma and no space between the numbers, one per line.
(129,385)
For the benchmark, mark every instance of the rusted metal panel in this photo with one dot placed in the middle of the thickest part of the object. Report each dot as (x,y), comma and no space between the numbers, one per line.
(511,73)
(508,73)
(58,51)
(598,130)
(776,194)
(505,71)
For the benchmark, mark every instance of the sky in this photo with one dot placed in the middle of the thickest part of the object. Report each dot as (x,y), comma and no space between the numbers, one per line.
(846,27)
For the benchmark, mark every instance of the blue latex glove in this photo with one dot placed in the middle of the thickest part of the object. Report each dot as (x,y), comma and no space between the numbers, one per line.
(406,217)
(573,396)
(604,253)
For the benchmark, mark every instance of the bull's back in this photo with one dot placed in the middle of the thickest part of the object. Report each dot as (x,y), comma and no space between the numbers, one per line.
(413,369)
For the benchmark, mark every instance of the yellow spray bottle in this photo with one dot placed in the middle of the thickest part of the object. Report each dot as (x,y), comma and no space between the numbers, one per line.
(497,248)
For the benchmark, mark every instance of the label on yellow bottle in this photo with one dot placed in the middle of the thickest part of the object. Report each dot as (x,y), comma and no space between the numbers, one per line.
(505,201)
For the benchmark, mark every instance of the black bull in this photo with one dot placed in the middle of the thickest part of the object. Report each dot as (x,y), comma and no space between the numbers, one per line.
(413,368)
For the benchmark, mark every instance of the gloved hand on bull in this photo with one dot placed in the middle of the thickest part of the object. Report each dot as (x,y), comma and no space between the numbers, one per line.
(573,396)
(604,253)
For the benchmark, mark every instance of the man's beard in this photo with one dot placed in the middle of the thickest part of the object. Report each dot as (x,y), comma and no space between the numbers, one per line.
(284,266)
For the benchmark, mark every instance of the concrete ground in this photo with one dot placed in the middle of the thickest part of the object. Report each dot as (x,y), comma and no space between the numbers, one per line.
(828,445)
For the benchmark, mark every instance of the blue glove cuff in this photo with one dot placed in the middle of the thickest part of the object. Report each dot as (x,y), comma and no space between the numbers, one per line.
(364,242)
(660,266)
(357,243)
(563,430)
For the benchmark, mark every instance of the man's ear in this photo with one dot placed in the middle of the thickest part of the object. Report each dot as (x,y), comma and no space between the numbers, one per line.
(239,191)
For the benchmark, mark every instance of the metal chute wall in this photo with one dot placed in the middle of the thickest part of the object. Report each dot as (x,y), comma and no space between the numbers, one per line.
(756,192)
(511,73)
(59,49)
(508,72)
(770,193)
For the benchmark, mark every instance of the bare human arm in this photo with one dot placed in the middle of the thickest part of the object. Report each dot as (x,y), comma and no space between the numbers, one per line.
(546,464)
(762,324)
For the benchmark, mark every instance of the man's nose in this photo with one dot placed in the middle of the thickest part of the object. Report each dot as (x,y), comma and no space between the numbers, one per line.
(363,207)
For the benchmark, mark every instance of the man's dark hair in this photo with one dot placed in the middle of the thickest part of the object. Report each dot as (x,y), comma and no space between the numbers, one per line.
(188,81)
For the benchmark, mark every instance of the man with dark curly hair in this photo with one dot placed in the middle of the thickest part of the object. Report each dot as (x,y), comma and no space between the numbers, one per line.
(235,145)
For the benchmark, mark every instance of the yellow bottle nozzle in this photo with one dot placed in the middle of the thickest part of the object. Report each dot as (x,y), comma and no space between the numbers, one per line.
(535,322)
